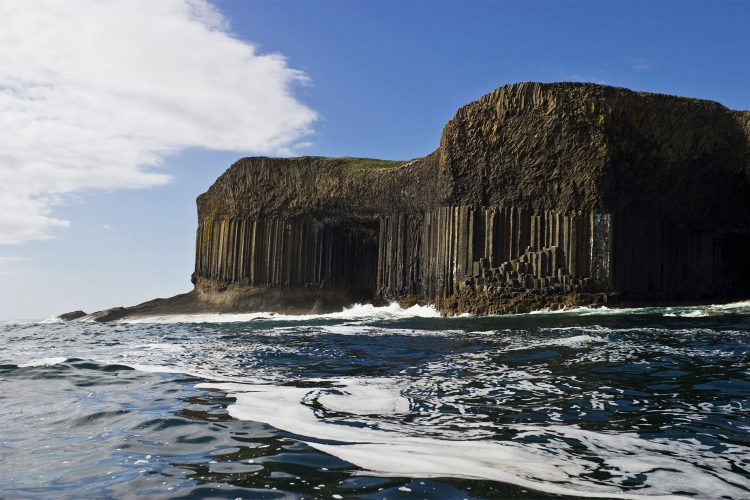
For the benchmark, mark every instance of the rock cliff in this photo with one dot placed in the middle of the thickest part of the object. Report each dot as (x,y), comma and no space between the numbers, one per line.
(538,196)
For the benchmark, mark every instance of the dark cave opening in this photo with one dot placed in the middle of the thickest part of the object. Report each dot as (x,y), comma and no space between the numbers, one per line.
(735,256)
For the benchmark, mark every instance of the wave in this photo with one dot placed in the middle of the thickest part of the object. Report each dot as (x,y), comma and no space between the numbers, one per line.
(697,311)
(712,309)
(585,310)
(25,322)
(708,310)
(43,362)
(141,367)
(355,312)
(52,319)
(369,312)
(393,311)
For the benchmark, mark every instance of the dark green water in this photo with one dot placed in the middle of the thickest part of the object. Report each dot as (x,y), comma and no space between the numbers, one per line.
(380,403)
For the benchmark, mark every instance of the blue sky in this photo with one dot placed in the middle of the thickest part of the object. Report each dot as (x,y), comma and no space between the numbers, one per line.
(376,79)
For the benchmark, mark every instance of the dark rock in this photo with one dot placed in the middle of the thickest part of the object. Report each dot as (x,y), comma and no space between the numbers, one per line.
(528,281)
(112,314)
(70,316)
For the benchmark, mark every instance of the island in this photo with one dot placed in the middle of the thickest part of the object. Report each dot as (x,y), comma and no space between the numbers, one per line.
(539,196)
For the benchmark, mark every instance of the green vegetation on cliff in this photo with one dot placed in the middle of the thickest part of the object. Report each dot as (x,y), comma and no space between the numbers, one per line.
(351,163)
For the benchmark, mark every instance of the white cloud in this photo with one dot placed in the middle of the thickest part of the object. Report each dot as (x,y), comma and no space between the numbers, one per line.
(640,64)
(94,94)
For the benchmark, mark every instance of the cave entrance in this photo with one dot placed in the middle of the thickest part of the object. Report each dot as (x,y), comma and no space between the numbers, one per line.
(735,256)
(357,255)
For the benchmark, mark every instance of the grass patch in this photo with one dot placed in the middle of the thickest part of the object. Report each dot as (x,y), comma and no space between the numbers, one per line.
(370,163)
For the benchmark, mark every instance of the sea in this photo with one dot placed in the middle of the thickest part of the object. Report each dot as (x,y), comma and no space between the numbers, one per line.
(380,402)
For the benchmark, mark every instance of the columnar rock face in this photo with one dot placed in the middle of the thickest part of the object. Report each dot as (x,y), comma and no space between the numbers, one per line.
(452,248)
(287,253)
(539,195)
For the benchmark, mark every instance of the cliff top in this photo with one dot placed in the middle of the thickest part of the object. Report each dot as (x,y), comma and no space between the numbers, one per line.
(564,146)
(368,163)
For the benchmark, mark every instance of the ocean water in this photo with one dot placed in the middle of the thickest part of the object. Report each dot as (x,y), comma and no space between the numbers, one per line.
(380,403)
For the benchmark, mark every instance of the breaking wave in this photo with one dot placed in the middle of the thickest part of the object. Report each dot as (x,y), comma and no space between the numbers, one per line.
(360,312)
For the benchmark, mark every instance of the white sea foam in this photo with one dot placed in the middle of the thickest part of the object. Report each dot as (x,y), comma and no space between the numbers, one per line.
(366,397)
(44,362)
(573,341)
(21,322)
(594,311)
(355,312)
(571,310)
(745,304)
(675,311)
(52,319)
(360,329)
(709,310)
(160,346)
(694,314)
(551,465)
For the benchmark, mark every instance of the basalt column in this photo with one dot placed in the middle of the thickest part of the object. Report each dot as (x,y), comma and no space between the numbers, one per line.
(288,253)
(453,247)
(655,259)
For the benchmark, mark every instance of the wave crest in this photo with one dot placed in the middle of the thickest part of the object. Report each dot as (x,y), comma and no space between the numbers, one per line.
(355,312)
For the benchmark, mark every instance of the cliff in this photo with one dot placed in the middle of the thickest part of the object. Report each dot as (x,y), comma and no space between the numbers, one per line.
(539,195)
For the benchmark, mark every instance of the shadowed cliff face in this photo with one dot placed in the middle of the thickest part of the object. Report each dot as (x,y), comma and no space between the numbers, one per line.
(683,160)
(538,196)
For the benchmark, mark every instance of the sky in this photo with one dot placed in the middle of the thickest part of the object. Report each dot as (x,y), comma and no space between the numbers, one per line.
(115,115)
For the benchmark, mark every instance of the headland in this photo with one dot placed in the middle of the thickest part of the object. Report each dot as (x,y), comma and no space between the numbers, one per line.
(539,196)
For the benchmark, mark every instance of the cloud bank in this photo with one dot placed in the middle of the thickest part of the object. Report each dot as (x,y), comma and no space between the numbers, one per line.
(94,94)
